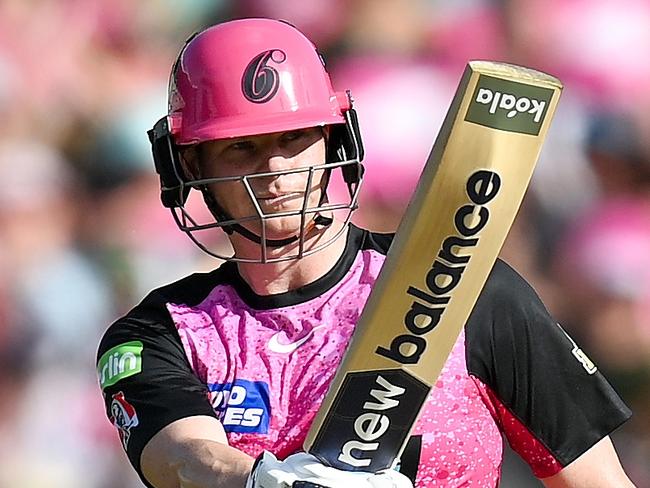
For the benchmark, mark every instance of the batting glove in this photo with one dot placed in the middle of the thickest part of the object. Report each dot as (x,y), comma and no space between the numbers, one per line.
(303,470)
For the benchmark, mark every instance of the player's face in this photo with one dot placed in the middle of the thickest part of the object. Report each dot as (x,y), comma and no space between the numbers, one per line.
(279,151)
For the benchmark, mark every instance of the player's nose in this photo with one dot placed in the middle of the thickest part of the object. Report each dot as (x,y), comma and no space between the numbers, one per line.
(277,161)
(275,158)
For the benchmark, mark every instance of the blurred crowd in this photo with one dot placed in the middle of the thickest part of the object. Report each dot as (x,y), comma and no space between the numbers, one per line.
(83,237)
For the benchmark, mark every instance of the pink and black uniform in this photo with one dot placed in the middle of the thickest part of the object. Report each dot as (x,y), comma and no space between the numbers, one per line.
(208,345)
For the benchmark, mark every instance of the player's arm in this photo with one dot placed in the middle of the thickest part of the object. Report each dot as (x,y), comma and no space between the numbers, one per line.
(551,402)
(193,453)
(160,408)
(599,467)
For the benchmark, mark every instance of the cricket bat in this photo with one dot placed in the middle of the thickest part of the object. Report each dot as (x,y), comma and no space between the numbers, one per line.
(445,247)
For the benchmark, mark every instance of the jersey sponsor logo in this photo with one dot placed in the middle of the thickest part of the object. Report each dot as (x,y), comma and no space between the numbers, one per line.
(124,417)
(120,362)
(243,406)
(260,81)
(276,346)
(580,355)
(509,105)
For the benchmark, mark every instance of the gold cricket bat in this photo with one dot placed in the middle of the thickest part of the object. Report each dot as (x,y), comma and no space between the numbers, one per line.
(447,242)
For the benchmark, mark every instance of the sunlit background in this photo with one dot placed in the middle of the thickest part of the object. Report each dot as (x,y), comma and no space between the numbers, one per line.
(83,236)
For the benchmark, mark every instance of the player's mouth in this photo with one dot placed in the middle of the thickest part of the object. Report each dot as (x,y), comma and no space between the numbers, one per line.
(273,199)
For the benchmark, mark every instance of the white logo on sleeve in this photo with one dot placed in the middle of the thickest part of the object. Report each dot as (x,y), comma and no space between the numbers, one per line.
(580,355)
(276,346)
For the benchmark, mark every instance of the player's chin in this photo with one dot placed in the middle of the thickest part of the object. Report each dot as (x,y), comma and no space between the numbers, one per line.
(279,228)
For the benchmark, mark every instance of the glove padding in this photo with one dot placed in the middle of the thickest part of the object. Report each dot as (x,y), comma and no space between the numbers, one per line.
(269,472)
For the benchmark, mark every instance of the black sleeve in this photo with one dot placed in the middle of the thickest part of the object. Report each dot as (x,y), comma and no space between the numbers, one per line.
(536,370)
(146,379)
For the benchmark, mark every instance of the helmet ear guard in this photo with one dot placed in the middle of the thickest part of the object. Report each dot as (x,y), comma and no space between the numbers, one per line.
(344,144)
(166,157)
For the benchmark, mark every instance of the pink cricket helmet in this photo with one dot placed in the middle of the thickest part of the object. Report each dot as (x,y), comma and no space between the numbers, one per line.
(275,81)
(248,77)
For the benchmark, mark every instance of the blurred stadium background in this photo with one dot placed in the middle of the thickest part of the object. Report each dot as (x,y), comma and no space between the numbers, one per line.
(83,237)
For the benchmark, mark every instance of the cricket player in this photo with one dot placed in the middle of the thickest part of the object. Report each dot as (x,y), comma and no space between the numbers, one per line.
(213,381)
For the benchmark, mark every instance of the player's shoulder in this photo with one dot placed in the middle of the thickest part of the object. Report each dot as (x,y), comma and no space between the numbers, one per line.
(505,287)
(192,289)
(507,307)
(150,320)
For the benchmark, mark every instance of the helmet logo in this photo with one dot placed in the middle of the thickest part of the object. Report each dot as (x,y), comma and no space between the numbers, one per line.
(261,81)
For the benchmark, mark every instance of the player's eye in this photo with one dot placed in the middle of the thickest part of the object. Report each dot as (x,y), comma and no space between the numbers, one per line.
(294,135)
(241,146)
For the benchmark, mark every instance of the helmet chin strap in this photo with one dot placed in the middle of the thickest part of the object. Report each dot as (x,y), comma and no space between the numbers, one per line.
(319,220)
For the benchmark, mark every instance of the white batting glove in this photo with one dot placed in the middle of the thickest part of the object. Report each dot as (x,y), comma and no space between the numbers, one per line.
(271,473)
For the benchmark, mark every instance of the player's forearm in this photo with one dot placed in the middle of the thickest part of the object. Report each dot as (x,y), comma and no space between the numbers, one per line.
(197,463)
(599,467)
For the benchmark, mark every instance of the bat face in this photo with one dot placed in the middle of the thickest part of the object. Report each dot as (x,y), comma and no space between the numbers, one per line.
(383,419)
(449,238)
(446,272)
